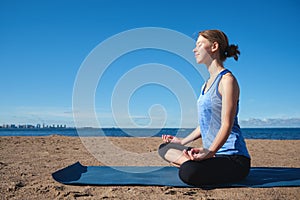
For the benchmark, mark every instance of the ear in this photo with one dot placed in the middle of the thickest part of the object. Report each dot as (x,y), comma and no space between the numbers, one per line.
(214,47)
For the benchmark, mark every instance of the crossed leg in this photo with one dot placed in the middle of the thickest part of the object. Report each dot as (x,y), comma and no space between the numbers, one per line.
(173,153)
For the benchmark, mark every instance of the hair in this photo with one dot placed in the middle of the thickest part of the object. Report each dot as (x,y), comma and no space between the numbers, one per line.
(225,49)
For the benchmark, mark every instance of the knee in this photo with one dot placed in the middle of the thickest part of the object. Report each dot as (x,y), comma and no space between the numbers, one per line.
(162,150)
(187,173)
(162,145)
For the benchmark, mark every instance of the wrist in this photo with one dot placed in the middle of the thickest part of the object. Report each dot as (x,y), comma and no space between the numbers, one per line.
(211,153)
(181,141)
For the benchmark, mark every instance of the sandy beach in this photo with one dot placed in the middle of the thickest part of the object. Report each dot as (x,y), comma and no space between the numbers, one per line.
(26,165)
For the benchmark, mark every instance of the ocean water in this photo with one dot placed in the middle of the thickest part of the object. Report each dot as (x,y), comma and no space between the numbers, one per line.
(248,133)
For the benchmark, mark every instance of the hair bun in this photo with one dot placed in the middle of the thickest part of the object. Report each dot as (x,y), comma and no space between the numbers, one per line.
(232,51)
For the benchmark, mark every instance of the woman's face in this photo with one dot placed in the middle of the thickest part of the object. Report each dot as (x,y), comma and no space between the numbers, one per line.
(202,50)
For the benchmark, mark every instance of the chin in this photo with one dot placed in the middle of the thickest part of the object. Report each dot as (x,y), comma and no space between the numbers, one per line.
(198,61)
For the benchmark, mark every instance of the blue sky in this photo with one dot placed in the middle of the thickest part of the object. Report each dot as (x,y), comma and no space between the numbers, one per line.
(44,43)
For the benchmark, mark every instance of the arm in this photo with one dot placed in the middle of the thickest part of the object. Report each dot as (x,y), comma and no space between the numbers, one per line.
(194,135)
(229,90)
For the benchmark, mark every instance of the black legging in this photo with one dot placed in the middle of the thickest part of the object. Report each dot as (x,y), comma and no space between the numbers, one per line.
(219,169)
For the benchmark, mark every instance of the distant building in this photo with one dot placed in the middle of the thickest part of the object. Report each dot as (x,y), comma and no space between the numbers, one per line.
(30,126)
(22,126)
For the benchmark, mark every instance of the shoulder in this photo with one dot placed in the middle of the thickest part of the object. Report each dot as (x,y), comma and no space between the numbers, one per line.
(228,83)
(229,79)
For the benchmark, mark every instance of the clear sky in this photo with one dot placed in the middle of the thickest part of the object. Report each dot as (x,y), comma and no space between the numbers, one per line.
(44,43)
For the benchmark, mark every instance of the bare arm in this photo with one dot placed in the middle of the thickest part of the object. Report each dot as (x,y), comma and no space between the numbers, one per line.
(194,135)
(229,90)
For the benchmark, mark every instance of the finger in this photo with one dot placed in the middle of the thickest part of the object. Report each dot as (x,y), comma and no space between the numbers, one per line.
(169,138)
(191,155)
(164,138)
(192,151)
(195,150)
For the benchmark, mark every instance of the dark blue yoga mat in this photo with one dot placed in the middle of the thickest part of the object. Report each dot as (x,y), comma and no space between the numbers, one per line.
(259,177)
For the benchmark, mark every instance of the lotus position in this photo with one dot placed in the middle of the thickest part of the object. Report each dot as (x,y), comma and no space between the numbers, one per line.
(223,156)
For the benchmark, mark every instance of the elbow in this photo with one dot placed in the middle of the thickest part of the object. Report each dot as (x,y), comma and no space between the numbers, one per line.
(226,127)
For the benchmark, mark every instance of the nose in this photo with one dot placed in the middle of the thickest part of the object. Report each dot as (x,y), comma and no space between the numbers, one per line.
(195,49)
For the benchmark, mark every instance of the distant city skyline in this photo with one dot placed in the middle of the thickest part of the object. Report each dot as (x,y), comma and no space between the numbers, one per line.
(249,123)
(31,126)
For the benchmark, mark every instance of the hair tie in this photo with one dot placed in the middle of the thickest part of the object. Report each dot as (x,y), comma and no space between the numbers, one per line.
(226,51)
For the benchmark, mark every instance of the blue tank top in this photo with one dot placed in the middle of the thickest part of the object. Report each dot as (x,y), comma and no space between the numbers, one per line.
(209,113)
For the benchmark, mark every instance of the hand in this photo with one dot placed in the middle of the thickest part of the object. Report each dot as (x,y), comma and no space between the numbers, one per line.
(170,138)
(198,154)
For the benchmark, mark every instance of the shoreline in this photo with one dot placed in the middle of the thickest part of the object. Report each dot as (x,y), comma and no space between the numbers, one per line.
(27,163)
(248,133)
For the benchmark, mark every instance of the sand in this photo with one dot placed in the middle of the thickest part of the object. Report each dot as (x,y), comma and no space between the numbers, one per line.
(26,164)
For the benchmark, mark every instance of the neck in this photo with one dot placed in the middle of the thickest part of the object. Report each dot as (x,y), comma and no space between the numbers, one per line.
(214,68)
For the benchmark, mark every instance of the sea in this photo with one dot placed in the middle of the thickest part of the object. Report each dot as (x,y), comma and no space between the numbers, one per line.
(248,133)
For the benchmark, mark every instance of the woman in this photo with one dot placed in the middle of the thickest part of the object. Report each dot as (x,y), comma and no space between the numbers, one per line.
(224,156)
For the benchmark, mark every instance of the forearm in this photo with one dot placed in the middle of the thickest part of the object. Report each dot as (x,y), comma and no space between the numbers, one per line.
(192,136)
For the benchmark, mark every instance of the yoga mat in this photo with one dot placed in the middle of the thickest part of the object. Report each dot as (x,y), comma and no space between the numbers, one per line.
(259,177)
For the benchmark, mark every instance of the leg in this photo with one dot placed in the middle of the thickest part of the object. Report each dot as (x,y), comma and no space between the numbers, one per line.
(172,153)
(175,157)
(220,169)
